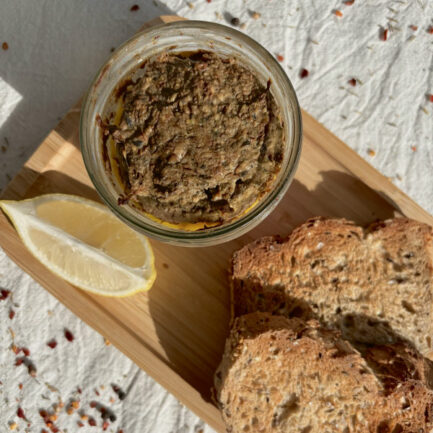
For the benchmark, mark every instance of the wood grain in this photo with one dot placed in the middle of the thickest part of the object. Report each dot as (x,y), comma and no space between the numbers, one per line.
(176,331)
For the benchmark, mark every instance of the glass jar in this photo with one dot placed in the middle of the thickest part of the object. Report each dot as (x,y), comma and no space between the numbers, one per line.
(185,36)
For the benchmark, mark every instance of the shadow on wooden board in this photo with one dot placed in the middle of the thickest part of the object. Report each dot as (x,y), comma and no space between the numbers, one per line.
(47,182)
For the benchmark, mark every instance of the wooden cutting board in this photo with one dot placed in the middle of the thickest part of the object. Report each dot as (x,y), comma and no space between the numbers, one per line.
(176,331)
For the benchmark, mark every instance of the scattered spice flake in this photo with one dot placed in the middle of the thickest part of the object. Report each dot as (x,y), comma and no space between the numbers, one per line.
(235,21)
(11,314)
(413,148)
(425,110)
(52,343)
(430,98)
(107,342)
(112,49)
(25,351)
(18,362)
(20,413)
(93,404)
(53,417)
(84,417)
(68,335)
(349,2)
(121,394)
(120,431)
(112,400)
(280,58)
(134,8)
(255,15)
(430,30)
(96,392)
(75,404)
(4,294)
(338,13)
(105,425)
(32,370)
(352,82)
(79,390)
(371,152)
(304,73)
(243,26)
(92,422)
(414,28)
(190,5)
(5,46)
(20,386)
(209,1)
(43,431)
(70,410)
(80,424)
(385,34)
(13,425)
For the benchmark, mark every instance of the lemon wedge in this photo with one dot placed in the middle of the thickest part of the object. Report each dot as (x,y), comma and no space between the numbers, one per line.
(82,242)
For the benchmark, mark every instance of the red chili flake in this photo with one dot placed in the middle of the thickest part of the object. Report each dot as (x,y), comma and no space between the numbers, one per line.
(18,362)
(80,424)
(43,431)
(105,425)
(209,1)
(349,2)
(93,404)
(4,294)
(120,431)
(5,46)
(20,386)
(25,351)
(32,370)
(11,314)
(52,343)
(338,13)
(431,98)
(79,390)
(413,148)
(54,429)
(304,73)
(280,58)
(92,422)
(134,8)
(352,82)
(68,335)
(414,28)
(385,35)
(430,30)
(97,392)
(20,413)
(43,413)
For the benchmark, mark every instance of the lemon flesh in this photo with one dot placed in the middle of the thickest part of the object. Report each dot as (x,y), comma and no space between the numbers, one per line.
(84,243)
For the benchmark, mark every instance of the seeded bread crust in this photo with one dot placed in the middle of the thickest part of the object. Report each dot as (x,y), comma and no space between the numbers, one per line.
(375,284)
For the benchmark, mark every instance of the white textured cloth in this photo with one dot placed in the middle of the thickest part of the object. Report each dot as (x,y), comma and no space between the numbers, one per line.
(54,49)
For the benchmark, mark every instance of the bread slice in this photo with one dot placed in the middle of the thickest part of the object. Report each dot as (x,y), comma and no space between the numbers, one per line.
(375,284)
(287,375)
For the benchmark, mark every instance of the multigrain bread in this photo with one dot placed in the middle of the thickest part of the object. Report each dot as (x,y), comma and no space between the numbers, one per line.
(286,375)
(375,284)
